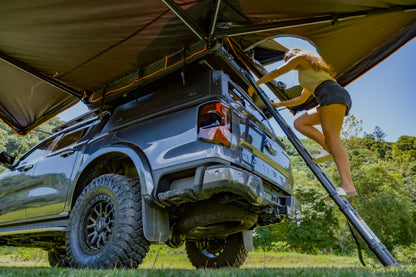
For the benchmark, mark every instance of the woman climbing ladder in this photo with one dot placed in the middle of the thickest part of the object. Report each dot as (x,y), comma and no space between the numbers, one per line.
(315,76)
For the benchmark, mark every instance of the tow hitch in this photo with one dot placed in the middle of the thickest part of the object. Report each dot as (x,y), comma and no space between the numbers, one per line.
(293,207)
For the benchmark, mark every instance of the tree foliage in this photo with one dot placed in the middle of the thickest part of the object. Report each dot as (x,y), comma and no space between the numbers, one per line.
(319,220)
(18,145)
(378,134)
(384,174)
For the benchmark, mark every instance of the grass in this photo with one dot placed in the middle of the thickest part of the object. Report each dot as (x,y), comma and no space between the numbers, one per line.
(301,272)
(163,261)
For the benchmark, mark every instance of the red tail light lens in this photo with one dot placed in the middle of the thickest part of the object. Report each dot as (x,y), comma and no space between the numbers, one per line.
(214,123)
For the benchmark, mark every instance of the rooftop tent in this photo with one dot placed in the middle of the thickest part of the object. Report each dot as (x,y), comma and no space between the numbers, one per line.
(55,53)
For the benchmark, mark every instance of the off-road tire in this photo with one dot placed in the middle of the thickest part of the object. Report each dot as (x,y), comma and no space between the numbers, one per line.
(210,219)
(57,257)
(228,252)
(105,228)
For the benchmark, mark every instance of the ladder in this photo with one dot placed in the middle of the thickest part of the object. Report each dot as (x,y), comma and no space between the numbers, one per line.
(353,217)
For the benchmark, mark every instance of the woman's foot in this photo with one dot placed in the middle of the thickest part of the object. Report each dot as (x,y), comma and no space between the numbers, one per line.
(342,192)
(322,156)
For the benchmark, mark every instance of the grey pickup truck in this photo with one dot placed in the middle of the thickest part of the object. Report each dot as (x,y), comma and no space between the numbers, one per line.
(188,159)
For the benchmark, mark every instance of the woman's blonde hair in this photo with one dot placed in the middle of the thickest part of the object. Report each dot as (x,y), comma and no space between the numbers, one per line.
(316,62)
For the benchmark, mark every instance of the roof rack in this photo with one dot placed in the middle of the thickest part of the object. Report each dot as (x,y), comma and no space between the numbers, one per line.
(72,122)
(147,74)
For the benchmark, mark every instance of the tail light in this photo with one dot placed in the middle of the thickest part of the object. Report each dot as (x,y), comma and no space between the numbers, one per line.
(214,123)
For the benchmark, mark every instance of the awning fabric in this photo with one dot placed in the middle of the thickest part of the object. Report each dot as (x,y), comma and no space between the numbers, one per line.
(54,53)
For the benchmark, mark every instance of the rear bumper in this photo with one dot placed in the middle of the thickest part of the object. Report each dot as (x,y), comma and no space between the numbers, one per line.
(212,180)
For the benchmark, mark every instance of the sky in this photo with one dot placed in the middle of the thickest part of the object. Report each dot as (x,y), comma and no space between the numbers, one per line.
(385,96)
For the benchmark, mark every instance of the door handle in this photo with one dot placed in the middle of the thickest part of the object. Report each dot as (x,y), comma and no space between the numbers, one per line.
(67,153)
(27,168)
(270,148)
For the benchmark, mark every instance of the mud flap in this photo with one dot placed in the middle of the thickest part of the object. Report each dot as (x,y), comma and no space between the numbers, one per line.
(155,223)
(248,239)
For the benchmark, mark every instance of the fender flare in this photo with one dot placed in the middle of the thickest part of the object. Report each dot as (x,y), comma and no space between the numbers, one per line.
(155,219)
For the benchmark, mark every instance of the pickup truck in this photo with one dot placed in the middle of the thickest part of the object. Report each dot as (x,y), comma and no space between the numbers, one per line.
(190,159)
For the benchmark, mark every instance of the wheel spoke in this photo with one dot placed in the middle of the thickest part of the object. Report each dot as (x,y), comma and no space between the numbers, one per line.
(108,211)
(100,240)
(103,237)
(97,243)
(100,205)
(98,224)
(91,226)
(97,210)
(94,237)
(108,229)
(93,223)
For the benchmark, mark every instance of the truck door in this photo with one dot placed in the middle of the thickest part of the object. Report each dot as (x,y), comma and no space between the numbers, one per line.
(53,175)
(15,183)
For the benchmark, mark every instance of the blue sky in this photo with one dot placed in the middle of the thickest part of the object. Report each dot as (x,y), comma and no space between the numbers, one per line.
(385,96)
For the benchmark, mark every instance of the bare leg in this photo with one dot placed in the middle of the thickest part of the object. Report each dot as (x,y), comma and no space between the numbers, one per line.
(305,123)
(331,117)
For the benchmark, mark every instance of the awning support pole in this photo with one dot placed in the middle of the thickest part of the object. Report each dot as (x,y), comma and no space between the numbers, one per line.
(214,20)
(189,22)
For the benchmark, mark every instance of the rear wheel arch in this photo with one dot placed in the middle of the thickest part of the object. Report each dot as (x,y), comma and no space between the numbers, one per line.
(108,163)
(136,166)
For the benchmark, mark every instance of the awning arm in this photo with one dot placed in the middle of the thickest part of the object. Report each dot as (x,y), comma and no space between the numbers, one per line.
(189,22)
(214,19)
(333,19)
(51,81)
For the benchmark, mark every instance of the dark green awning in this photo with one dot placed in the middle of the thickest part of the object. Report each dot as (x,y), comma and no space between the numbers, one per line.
(54,53)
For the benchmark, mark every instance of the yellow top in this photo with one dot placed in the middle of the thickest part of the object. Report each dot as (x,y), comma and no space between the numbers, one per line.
(310,78)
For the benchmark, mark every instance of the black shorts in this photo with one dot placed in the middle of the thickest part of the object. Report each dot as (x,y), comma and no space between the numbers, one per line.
(330,92)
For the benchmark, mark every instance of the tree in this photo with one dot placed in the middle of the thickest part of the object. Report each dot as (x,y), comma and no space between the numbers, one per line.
(384,205)
(406,143)
(378,134)
(17,145)
(384,174)
(319,223)
(351,128)
(263,238)
(381,149)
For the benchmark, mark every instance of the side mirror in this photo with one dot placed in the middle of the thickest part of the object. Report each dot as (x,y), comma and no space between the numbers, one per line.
(6,158)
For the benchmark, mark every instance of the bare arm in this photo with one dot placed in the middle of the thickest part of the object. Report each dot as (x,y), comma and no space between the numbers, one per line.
(295,101)
(291,64)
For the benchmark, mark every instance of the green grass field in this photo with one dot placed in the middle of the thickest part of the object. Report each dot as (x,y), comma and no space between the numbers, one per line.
(163,261)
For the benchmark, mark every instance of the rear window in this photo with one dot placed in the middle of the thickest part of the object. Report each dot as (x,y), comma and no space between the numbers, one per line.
(38,151)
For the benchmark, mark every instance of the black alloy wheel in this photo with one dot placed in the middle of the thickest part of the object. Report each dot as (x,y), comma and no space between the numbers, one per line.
(105,228)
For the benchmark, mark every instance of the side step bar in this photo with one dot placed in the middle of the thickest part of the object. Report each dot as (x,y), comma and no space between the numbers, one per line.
(362,228)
